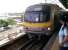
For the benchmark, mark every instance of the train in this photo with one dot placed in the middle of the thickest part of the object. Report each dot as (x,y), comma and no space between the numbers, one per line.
(41,19)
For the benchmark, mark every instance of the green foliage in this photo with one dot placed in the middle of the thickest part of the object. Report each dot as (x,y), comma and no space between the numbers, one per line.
(64,2)
(11,21)
(5,23)
(22,16)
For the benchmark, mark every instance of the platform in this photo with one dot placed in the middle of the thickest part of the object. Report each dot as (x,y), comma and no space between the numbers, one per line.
(56,44)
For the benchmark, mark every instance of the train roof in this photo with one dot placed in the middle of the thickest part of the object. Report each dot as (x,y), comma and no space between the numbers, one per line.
(38,7)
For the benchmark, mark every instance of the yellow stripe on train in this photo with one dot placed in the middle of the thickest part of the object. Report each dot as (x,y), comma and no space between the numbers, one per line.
(28,24)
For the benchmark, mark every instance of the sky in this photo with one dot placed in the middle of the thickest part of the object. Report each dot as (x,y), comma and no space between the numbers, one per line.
(16,6)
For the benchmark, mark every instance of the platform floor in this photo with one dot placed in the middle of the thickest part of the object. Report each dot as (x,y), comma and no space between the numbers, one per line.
(55,44)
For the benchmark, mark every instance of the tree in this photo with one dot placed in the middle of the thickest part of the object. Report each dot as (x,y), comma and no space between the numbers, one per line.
(11,21)
(64,2)
(3,23)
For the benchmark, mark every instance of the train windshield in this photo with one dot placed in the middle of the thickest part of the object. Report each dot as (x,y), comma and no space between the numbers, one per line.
(37,16)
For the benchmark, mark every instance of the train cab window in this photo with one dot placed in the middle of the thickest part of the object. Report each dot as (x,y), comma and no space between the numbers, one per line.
(38,16)
(31,16)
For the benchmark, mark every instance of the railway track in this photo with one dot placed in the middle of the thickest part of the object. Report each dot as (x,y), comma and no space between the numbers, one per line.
(14,45)
(35,44)
(39,45)
(24,43)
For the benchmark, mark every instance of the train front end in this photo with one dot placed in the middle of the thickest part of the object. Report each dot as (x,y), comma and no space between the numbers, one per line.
(37,20)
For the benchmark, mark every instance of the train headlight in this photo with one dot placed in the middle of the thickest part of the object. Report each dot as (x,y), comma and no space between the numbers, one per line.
(49,28)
